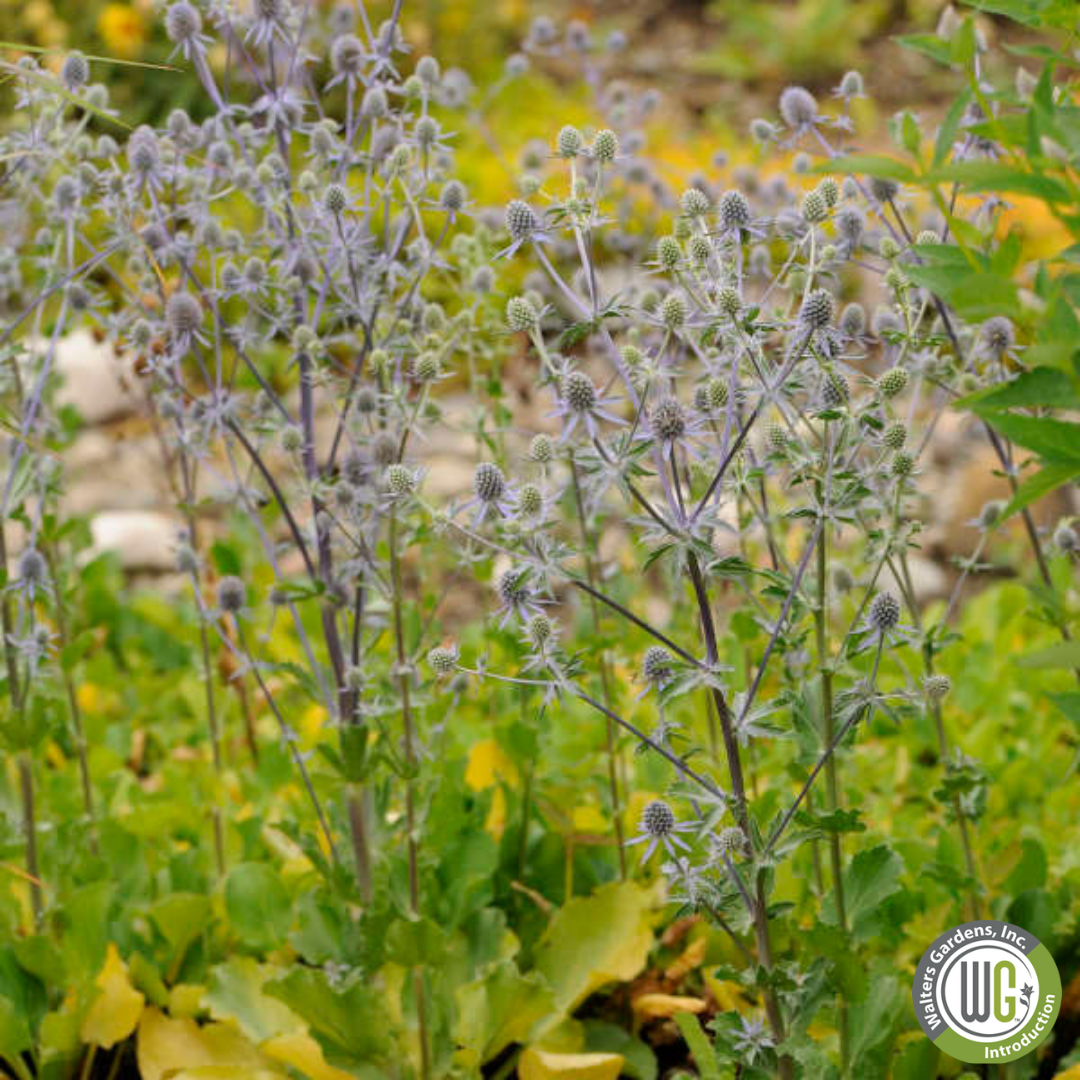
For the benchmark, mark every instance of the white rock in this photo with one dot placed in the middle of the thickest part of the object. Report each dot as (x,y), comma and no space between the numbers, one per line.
(93,378)
(144,539)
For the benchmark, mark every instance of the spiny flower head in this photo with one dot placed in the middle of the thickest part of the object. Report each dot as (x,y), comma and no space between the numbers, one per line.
(668,252)
(75,72)
(443,660)
(605,146)
(817,310)
(530,500)
(673,310)
(657,666)
(570,142)
(895,436)
(520,314)
(183,22)
(884,612)
(798,107)
(521,220)
(998,336)
(657,819)
(489,482)
(184,314)
(936,687)
(668,420)
(231,594)
(728,841)
(694,202)
(542,449)
(32,567)
(733,210)
(399,480)
(893,382)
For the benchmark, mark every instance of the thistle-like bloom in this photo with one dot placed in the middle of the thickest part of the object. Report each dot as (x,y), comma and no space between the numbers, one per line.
(491,493)
(753,1040)
(581,402)
(658,828)
(518,597)
(183,24)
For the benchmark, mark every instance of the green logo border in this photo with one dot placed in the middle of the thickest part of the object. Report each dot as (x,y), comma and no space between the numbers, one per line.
(971,1051)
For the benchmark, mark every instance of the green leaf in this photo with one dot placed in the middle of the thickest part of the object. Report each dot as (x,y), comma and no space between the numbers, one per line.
(1039,386)
(180,919)
(701,1048)
(946,135)
(917,1061)
(999,176)
(348,1020)
(1030,869)
(873,1023)
(258,905)
(414,942)
(501,1008)
(1036,910)
(1056,441)
(870,165)
(1066,654)
(871,877)
(928,45)
(604,1037)
(1035,487)
(596,940)
(235,993)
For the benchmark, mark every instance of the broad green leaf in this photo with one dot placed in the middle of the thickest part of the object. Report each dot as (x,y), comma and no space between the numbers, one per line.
(180,919)
(501,1008)
(701,1048)
(349,1020)
(1035,487)
(871,877)
(235,993)
(14,1028)
(1030,869)
(927,44)
(870,165)
(1038,911)
(640,1061)
(873,1023)
(916,1061)
(1065,654)
(1039,386)
(596,940)
(999,176)
(258,905)
(1056,441)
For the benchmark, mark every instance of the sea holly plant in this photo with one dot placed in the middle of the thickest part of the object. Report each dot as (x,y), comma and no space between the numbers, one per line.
(763,443)
(678,650)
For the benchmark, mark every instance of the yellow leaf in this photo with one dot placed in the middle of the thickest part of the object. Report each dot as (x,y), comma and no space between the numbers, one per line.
(167,1047)
(726,994)
(302,1052)
(488,764)
(595,940)
(495,823)
(543,1065)
(656,1006)
(690,958)
(115,1012)
(185,999)
(588,819)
